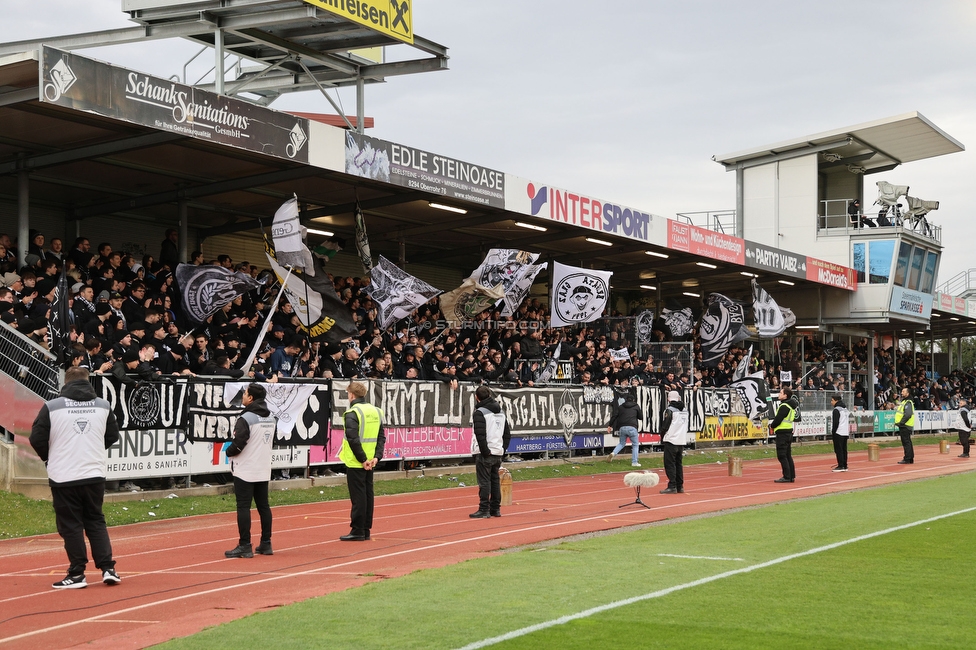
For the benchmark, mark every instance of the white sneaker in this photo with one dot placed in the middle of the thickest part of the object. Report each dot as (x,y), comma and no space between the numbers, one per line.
(635,464)
(110,577)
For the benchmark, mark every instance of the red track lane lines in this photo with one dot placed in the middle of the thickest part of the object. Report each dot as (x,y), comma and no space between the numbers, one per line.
(544,509)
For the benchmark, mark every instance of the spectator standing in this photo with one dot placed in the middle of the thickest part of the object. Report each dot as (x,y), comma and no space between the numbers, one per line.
(250,452)
(963,426)
(840,431)
(362,449)
(169,252)
(492,434)
(71,434)
(675,427)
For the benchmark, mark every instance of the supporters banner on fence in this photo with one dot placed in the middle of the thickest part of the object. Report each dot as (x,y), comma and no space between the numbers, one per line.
(421,419)
(205,289)
(144,405)
(578,295)
(540,412)
(397,294)
(302,410)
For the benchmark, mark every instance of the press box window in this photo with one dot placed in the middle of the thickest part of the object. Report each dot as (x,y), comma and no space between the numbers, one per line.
(915,274)
(880,253)
(928,271)
(901,266)
(860,264)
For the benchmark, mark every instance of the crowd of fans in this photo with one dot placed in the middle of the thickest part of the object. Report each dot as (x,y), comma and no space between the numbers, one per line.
(126,320)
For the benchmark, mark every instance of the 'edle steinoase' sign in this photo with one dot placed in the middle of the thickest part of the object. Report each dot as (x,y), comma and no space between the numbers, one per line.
(87,85)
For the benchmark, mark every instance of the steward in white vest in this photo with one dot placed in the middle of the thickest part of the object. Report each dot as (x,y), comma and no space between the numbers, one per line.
(250,451)
(964,426)
(675,427)
(840,431)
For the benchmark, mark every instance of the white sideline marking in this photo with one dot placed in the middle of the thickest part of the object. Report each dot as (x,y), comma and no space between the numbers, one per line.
(701,557)
(697,583)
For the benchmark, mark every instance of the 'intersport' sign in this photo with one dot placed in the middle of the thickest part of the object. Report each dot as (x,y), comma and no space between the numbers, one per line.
(87,85)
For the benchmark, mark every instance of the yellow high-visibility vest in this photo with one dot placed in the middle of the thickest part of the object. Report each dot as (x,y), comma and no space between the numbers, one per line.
(900,413)
(369,423)
(787,423)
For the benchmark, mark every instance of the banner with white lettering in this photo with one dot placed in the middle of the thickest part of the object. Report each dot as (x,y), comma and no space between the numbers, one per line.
(145,405)
(302,410)
(578,295)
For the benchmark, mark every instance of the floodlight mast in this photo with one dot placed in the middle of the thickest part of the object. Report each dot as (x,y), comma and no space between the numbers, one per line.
(297,45)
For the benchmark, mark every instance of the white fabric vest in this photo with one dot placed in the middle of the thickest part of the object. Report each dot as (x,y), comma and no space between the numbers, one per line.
(253,464)
(843,422)
(494,431)
(960,423)
(77,443)
(677,433)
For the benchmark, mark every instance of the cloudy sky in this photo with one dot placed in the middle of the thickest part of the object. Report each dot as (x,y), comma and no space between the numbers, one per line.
(629,100)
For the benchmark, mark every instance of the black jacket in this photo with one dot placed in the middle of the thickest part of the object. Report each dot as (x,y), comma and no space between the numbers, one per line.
(481,430)
(627,414)
(781,412)
(242,430)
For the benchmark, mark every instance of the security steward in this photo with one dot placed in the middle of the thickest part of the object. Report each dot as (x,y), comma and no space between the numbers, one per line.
(964,426)
(362,449)
(905,421)
(782,426)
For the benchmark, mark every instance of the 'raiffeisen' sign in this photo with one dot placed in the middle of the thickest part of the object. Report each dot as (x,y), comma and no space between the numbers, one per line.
(391,17)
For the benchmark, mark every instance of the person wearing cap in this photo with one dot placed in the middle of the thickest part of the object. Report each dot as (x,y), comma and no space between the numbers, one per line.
(99,325)
(362,448)
(250,462)
(676,436)
(115,301)
(839,431)
(625,420)
(492,435)
(128,363)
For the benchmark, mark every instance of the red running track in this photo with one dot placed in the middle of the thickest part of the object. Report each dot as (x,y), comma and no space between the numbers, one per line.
(176,580)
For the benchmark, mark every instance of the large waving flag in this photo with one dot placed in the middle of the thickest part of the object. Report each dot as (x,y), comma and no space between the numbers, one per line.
(287,234)
(320,311)
(681,322)
(206,289)
(722,326)
(754,394)
(771,319)
(57,323)
(578,295)
(362,242)
(397,294)
(516,295)
(505,266)
(469,300)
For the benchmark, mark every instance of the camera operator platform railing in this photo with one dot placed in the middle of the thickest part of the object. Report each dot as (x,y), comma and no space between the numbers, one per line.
(834,221)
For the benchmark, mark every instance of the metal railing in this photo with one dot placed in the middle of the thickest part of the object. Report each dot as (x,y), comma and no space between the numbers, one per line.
(962,284)
(28,363)
(834,220)
(722,221)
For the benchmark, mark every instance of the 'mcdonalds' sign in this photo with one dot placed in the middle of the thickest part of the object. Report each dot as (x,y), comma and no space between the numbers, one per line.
(88,85)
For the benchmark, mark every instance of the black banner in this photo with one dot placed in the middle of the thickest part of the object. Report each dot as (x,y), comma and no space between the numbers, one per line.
(411,403)
(145,406)
(87,85)
(302,410)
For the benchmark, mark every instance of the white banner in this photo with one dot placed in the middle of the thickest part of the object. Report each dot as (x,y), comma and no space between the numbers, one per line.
(578,295)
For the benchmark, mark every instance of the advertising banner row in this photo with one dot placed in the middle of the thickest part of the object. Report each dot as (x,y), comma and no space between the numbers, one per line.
(177,428)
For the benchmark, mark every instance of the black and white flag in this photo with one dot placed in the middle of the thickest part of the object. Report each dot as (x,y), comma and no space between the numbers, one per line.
(287,234)
(722,326)
(754,394)
(546,375)
(397,294)
(771,319)
(362,242)
(57,322)
(742,369)
(322,314)
(206,289)
(578,295)
(645,326)
(516,295)
(469,300)
(681,322)
(505,266)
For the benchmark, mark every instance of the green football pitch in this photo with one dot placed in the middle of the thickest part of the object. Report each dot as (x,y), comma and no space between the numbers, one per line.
(880,568)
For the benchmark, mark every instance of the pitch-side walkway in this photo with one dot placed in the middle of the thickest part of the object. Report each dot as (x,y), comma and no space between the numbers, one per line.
(176,580)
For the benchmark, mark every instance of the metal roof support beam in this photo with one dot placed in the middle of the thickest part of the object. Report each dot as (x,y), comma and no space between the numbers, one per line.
(338,110)
(787,155)
(220,187)
(92,151)
(368,204)
(18,96)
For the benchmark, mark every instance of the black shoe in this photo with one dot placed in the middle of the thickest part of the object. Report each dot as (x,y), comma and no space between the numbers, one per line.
(963,455)
(71,582)
(366,534)
(352,537)
(481,514)
(681,490)
(241,550)
(264,548)
(497,513)
(906,462)
(669,491)
(784,480)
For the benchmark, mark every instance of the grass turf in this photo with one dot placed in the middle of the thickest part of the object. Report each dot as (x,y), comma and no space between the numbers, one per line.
(904,589)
